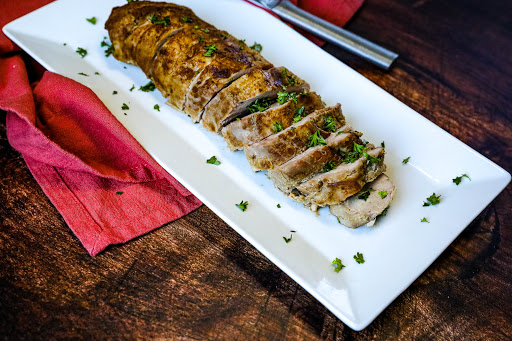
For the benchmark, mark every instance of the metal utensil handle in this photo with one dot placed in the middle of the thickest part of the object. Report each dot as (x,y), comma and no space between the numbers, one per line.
(336,35)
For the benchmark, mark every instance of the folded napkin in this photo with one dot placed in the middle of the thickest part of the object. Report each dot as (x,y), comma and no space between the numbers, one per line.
(103,183)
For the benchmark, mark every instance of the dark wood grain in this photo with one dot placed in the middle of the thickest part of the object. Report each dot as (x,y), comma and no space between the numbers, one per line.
(197,279)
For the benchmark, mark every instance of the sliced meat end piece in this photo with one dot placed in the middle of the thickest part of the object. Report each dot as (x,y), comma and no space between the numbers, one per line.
(283,146)
(355,212)
(232,101)
(128,19)
(291,173)
(259,125)
(331,187)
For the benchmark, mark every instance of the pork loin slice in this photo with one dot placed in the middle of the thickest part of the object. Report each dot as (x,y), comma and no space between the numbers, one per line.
(355,212)
(313,161)
(255,127)
(135,18)
(232,101)
(340,183)
(224,68)
(281,147)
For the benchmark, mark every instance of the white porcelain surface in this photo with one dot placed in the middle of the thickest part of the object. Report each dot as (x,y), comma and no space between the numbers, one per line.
(397,250)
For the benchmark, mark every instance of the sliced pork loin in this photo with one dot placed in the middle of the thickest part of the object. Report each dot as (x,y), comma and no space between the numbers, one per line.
(232,101)
(281,147)
(257,126)
(313,161)
(132,32)
(186,55)
(357,211)
(340,183)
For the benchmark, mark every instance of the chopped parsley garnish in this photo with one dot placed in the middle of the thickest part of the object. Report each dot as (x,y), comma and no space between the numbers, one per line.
(210,50)
(329,124)
(125,107)
(287,240)
(406,160)
(65,44)
(362,150)
(97,73)
(383,194)
(213,160)
(257,47)
(242,205)
(424,220)
(83,74)
(329,166)
(148,87)
(114,92)
(350,157)
(165,21)
(119,193)
(359,258)
(242,42)
(382,144)
(299,113)
(315,139)
(196,27)
(338,265)
(278,206)
(364,196)
(156,107)
(283,97)
(186,19)
(205,30)
(458,179)
(432,200)
(383,214)
(133,87)
(82,52)
(261,104)
(277,127)
(200,38)
(92,20)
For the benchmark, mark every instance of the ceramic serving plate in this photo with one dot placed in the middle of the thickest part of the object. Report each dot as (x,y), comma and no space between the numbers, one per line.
(397,250)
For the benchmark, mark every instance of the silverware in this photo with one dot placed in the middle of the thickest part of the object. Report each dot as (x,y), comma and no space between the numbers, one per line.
(347,40)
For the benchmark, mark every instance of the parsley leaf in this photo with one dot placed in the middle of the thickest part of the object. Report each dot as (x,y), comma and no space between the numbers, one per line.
(83,74)
(315,139)
(382,144)
(165,21)
(210,50)
(213,160)
(148,87)
(92,20)
(329,166)
(338,265)
(200,38)
(287,240)
(186,19)
(110,48)
(114,92)
(242,42)
(257,47)
(329,124)
(432,200)
(125,107)
(82,52)
(364,196)
(406,160)
(242,205)
(383,214)
(205,30)
(424,220)
(133,87)
(383,194)
(299,113)
(119,193)
(261,104)
(283,97)
(361,149)
(359,258)
(458,179)
(156,107)
(278,206)
(350,157)
(277,127)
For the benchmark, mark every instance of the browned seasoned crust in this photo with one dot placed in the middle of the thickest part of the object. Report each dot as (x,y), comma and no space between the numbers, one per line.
(255,127)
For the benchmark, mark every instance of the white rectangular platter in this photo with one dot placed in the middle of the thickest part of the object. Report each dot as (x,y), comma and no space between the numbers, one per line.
(397,250)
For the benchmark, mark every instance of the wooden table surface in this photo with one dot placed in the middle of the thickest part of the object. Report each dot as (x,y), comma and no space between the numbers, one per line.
(197,279)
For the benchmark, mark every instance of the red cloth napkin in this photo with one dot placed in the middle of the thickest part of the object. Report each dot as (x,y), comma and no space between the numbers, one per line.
(104,184)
